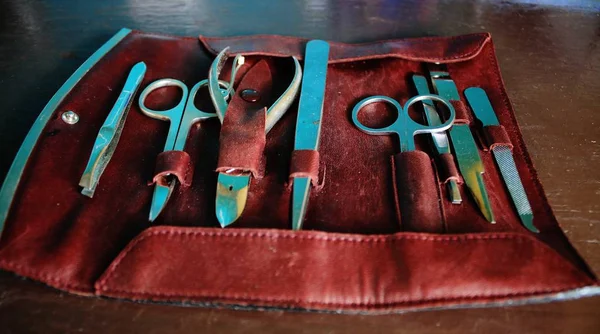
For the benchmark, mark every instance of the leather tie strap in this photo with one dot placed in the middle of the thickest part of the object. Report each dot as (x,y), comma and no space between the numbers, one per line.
(173,163)
(242,139)
(496,135)
(305,163)
(462,113)
(448,170)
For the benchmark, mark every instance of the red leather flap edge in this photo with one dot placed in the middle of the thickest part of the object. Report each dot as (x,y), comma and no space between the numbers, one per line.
(316,270)
(428,49)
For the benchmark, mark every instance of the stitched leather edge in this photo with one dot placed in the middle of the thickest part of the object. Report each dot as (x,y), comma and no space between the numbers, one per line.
(47,278)
(293,303)
(103,284)
(485,38)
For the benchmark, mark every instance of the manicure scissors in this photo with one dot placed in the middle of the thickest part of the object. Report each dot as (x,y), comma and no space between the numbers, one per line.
(181,118)
(404,127)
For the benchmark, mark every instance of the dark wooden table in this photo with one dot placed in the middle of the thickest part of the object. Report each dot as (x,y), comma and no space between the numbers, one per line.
(550,61)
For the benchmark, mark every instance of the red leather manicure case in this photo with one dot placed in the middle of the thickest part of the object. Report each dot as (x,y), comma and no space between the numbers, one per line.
(356,252)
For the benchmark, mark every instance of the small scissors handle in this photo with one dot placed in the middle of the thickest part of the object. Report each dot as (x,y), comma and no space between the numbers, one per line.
(173,115)
(182,116)
(191,114)
(403,126)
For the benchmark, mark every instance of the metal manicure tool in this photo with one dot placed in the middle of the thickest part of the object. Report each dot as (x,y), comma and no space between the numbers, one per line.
(404,127)
(440,139)
(181,119)
(481,106)
(465,148)
(110,132)
(232,188)
(308,124)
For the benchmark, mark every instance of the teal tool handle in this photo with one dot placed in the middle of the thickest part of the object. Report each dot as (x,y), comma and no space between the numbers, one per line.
(173,115)
(481,106)
(312,98)
(110,132)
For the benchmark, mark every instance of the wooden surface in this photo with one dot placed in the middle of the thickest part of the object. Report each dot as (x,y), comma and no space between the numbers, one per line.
(550,60)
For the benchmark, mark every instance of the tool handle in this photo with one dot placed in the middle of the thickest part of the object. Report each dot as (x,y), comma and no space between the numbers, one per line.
(173,115)
(110,132)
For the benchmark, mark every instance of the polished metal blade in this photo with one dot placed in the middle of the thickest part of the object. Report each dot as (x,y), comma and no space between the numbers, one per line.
(471,167)
(232,192)
(480,194)
(508,169)
(300,195)
(160,197)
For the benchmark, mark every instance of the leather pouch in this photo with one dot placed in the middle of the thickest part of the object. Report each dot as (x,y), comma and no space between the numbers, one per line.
(357,252)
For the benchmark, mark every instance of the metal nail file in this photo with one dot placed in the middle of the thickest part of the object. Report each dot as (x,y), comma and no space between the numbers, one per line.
(482,108)
(308,124)
(440,139)
(110,132)
(465,148)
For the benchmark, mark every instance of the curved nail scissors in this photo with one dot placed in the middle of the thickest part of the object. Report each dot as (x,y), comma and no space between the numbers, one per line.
(181,118)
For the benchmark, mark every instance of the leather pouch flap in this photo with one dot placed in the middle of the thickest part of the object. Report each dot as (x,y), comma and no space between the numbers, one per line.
(432,49)
(316,270)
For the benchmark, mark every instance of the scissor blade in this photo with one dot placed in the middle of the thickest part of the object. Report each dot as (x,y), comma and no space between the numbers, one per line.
(232,192)
(300,195)
(160,197)
(471,167)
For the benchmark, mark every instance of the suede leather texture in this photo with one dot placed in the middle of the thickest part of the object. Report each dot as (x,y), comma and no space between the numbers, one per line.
(496,135)
(305,163)
(173,164)
(370,244)
(416,187)
(447,168)
(242,138)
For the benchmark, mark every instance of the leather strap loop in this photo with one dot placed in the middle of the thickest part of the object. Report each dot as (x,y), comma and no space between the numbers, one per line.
(496,135)
(173,163)
(242,139)
(305,163)
(462,113)
(448,171)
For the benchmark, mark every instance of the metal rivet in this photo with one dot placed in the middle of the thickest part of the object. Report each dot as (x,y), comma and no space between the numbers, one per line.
(70,117)
(250,95)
